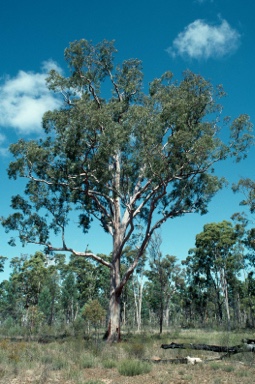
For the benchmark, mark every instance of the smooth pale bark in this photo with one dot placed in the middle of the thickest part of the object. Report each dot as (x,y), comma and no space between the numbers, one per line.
(138,298)
(224,287)
(113,322)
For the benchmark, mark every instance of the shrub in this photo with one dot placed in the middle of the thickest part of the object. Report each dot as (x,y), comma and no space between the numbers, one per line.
(94,313)
(135,350)
(87,362)
(215,366)
(109,364)
(58,364)
(228,368)
(133,368)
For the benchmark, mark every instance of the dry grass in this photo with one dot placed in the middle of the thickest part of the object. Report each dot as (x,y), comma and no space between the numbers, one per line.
(88,362)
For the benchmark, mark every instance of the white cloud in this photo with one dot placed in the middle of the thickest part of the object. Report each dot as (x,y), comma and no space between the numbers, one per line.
(3,150)
(25,98)
(2,138)
(200,40)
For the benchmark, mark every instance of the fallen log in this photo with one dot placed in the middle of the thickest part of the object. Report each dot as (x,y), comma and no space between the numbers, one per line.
(245,347)
(248,341)
(182,360)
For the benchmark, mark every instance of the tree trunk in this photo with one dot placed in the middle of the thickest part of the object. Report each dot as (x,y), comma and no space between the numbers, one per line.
(113,328)
(166,317)
(161,317)
(139,320)
(246,346)
(224,287)
(138,297)
(219,305)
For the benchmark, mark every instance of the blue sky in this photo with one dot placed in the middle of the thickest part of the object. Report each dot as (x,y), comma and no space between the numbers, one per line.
(214,38)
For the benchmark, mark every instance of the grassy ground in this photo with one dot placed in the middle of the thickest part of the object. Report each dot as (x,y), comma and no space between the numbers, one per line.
(79,361)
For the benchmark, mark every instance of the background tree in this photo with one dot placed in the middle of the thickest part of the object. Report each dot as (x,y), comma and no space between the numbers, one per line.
(94,313)
(164,278)
(31,277)
(11,304)
(196,296)
(91,281)
(49,297)
(132,296)
(2,261)
(119,157)
(70,297)
(215,259)
(138,285)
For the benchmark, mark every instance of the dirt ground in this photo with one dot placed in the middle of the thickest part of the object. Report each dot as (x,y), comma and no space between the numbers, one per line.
(76,361)
(161,373)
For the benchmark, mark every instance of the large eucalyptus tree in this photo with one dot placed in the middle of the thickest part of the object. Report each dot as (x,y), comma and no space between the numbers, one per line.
(119,157)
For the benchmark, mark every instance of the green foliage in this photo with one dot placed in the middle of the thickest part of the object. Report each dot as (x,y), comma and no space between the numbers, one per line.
(215,263)
(34,318)
(133,368)
(228,368)
(10,328)
(109,364)
(69,297)
(29,274)
(58,363)
(2,261)
(93,312)
(90,279)
(165,279)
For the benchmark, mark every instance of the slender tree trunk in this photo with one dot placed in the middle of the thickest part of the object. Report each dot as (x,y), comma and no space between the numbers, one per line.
(136,307)
(219,305)
(52,309)
(224,288)
(138,298)
(237,308)
(161,317)
(124,314)
(167,310)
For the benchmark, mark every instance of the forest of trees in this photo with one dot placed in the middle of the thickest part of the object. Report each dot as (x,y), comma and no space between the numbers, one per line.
(213,287)
(130,157)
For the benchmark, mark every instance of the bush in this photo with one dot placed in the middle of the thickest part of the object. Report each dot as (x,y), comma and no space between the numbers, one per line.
(10,328)
(87,362)
(136,350)
(109,364)
(133,368)
(94,313)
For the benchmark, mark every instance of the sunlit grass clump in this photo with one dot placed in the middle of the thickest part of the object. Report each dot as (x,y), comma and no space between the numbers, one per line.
(108,364)
(133,368)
